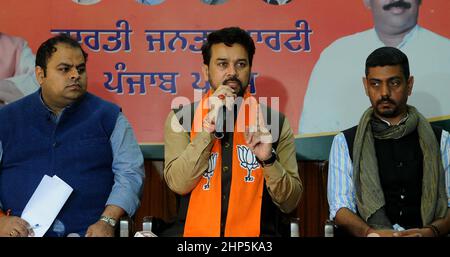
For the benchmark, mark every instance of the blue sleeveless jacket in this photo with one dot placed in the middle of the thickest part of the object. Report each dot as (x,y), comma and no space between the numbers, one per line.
(77,150)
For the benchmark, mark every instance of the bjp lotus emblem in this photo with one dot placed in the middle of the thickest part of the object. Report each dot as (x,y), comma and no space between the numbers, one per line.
(247,160)
(210,172)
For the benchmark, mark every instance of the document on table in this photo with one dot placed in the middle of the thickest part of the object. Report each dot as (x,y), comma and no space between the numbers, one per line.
(145,234)
(45,204)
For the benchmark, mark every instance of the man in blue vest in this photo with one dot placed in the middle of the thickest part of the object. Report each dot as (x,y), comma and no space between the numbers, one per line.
(389,176)
(65,131)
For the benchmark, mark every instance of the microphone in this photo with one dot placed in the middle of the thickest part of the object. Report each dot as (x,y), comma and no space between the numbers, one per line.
(219,133)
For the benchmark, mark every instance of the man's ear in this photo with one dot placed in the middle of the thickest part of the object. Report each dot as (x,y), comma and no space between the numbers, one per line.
(205,72)
(410,85)
(366,86)
(40,75)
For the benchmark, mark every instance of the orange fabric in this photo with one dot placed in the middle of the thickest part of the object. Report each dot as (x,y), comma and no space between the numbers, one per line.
(244,207)
(8,212)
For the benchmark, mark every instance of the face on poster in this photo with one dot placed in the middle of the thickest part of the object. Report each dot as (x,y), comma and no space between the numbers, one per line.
(143,56)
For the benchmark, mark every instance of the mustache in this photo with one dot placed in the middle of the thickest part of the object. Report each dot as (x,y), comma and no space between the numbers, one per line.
(399,4)
(386,100)
(232,79)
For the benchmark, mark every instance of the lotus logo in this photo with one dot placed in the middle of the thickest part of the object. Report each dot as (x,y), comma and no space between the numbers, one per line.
(210,172)
(248,161)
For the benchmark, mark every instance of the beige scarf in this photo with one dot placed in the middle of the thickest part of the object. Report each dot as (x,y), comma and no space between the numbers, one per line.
(369,194)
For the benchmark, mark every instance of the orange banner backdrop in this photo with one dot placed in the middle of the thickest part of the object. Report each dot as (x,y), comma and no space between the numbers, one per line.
(143,56)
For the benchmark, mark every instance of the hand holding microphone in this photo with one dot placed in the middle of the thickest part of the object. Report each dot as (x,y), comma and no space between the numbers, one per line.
(222,99)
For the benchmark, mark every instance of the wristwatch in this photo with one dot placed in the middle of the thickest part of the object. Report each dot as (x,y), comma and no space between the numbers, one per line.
(269,161)
(109,220)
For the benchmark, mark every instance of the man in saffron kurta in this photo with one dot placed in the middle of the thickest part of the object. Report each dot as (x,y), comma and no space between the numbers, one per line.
(235,176)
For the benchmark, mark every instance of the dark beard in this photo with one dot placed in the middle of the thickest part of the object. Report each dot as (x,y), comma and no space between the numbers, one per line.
(388,113)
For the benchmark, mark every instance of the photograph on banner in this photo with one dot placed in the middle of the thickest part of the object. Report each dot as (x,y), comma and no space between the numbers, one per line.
(214,2)
(335,94)
(86,2)
(17,77)
(277,2)
(150,2)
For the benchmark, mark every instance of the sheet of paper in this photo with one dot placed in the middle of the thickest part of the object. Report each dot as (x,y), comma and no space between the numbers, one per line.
(144,234)
(45,204)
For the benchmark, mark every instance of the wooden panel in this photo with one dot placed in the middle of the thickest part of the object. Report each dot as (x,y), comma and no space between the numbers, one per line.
(313,206)
(157,199)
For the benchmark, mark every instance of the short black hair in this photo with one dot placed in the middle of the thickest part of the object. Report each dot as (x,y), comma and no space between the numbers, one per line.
(388,56)
(228,36)
(46,49)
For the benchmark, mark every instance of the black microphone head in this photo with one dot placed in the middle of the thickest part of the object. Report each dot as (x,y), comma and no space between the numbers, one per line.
(219,135)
